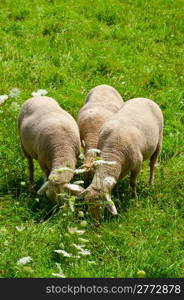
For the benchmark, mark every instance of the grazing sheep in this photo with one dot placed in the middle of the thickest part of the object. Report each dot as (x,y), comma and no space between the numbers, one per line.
(100,105)
(50,135)
(133,135)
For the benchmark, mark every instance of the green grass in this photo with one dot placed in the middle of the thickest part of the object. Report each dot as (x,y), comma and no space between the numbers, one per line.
(67,48)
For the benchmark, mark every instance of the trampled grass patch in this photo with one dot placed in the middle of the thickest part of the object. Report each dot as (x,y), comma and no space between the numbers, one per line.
(68,48)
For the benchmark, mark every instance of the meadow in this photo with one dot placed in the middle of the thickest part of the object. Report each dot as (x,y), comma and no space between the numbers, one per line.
(67,48)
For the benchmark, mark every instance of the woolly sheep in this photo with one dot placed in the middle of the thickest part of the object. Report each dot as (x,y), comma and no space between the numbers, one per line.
(50,135)
(100,105)
(133,135)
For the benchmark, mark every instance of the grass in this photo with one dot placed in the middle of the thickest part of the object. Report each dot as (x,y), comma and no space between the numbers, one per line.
(67,48)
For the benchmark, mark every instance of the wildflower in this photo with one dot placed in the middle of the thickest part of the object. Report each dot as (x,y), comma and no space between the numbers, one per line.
(81,249)
(80,171)
(20,228)
(63,252)
(80,214)
(141,274)
(84,252)
(104,162)
(15,106)
(24,260)
(74,230)
(94,151)
(40,92)
(60,274)
(14,93)
(78,182)
(3,98)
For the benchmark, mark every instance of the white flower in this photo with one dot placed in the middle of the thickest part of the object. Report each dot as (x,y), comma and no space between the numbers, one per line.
(74,230)
(40,92)
(81,249)
(93,150)
(15,106)
(58,275)
(78,182)
(104,162)
(63,252)
(84,252)
(24,260)
(3,98)
(14,93)
(80,171)
(20,228)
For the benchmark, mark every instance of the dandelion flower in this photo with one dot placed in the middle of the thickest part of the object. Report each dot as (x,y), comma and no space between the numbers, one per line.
(14,93)
(3,98)
(24,260)
(39,92)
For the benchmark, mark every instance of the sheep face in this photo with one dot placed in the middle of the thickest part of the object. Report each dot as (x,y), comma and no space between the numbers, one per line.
(96,200)
(53,190)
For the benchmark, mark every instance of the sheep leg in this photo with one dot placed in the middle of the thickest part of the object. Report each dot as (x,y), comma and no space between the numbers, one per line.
(153,161)
(133,182)
(30,167)
(31,170)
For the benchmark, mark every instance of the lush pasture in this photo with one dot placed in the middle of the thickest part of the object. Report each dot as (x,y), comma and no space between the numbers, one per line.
(68,47)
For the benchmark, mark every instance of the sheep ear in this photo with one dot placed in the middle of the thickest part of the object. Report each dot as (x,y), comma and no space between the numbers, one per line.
(43,188)
(110,205)
(74,188)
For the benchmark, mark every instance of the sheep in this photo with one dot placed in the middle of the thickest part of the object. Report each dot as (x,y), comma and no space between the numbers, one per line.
(50,135)
(132,135)
(100,105)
